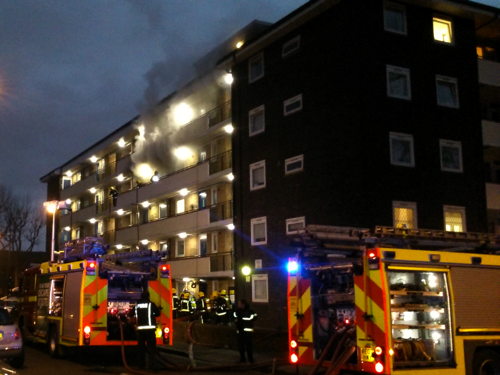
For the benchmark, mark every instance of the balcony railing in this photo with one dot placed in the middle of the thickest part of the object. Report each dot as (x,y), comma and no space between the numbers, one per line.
(221,211)
(221,162)
(219,114)
(221,262)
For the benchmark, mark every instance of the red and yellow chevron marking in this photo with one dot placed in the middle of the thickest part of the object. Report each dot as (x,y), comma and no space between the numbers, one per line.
(160,292)
(95,308)
(300,317)
(371,321)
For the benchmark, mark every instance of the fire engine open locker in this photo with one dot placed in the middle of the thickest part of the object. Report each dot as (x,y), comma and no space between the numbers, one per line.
(84,302)
(361,304)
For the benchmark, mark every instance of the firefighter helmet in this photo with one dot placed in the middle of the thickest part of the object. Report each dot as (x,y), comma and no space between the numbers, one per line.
(201,295)
(223,292)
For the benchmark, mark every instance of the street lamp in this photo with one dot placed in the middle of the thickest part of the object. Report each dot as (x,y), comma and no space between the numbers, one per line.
(51,207)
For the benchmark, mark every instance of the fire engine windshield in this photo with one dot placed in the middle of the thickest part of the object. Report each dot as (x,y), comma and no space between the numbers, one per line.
(420,317)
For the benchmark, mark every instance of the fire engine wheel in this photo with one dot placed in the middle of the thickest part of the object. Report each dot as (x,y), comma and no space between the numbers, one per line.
(486,362)
(55,350)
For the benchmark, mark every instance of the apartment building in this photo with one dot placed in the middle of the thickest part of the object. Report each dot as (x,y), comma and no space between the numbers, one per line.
(162,181)
(356,113)
(488,52)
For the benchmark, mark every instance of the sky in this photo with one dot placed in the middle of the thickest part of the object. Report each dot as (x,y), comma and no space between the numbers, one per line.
(72,71)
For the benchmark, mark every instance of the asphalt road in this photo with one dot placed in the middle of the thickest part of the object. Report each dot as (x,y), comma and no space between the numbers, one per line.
(98,361)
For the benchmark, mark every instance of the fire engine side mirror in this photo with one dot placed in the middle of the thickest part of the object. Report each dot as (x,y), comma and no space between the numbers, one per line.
(357,269)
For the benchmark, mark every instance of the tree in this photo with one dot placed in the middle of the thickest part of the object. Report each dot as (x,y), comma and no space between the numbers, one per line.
(20,224)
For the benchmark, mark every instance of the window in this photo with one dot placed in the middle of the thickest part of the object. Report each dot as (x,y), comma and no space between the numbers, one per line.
(256,120)
(256,68)
(180,206)
(260,288)
(66,182)
(162,210)
(292,105)
(398,82)
(295,224)
(180,247)
(442,30)
(447,91)
(294,164)
(401,148)
(258,175)
(404,215)
(259,230)
(454,219)
(451,155)
(203,245)
(215,241)
(290,47)
(395,18)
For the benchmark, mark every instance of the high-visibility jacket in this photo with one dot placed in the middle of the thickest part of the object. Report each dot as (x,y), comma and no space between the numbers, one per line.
(220,306)
(145,313)
(244,320)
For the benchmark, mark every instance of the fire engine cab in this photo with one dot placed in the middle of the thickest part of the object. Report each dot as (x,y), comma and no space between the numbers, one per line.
(87,298)
(393,301)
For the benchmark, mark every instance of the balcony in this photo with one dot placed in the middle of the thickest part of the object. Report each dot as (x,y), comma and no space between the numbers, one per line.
(83,214)
(221,211)
(214,265)
(80,187)
(491,133)
(493,196)
(489,72)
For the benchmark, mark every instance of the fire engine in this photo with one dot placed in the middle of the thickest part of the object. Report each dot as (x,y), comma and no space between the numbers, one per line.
(393,301)
(87,297)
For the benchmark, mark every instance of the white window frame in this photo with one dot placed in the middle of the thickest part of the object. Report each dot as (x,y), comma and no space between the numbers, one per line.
(293,99)
(177,211)
(253,222)
(294,220)
(252,113)
(260,277)
(177,242)
(461,209)
(405,204)
(452,33)
(254,166)
(259,56)
(454,144)
(402,137)
(293,160)
(398,70)
(449,80)
(295,40)
(397,7)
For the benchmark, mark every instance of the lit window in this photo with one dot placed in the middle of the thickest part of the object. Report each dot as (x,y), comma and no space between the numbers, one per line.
(292,105)
(442,30)
(260,290)
(404,215)
(256,120)
(258,175)
(215,241)
(202,245)
(76,177)
(447,91)
(294,164)
(295,224)
(180,206)
(395,18)
(451,155)
(398,82)
(255,68)
(290,47)
(401,148)
(454,219)
(162,210)
(180,248)
(258,229)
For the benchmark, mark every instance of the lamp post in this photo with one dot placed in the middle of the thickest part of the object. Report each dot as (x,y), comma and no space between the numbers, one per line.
(51,207)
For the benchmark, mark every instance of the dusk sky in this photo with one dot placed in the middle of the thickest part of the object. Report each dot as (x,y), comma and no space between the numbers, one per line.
(71,71)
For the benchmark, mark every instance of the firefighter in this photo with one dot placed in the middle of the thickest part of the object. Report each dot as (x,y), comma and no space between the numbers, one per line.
(175,303)
(220,309)
(145,314)
(201,306)
(244,318)
(185,305)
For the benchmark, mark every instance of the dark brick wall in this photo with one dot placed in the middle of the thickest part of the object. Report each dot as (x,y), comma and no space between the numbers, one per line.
(343,132)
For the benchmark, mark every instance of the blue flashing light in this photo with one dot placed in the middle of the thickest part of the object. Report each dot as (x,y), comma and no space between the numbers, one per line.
(292,266)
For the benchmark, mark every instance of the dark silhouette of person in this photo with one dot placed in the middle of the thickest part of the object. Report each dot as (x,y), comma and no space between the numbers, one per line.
(245,318)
